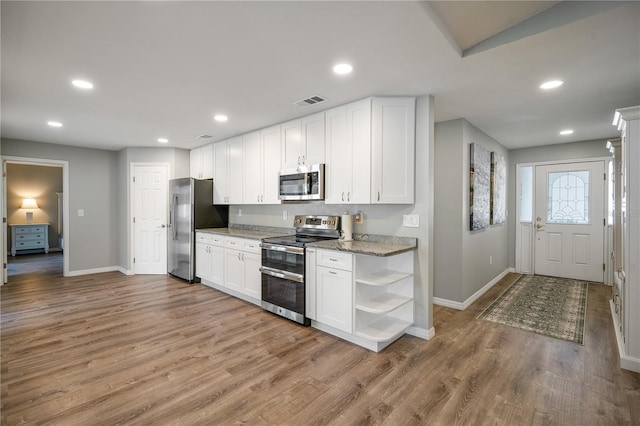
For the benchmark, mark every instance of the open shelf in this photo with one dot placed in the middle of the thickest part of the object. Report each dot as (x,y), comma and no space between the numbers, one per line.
(385,277)
(382,303)
(383,330)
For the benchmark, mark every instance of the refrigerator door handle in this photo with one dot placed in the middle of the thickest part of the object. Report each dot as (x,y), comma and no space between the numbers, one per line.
(174,227)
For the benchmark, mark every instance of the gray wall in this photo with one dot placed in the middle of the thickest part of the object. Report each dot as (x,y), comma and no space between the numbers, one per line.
(567,151)
(462,265)
(99,184)
(379,219)
(92,238)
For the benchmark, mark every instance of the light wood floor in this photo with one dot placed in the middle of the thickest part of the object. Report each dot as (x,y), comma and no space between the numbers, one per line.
(110,349)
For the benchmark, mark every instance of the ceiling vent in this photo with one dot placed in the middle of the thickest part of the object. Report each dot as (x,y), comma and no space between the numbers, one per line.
(311,100)
(204,136)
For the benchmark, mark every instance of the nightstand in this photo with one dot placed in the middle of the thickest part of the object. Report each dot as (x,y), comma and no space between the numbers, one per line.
(30,236)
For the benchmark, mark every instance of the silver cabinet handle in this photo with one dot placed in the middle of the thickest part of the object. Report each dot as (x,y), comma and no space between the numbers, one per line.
(378,195)
(239,256)
(349,196)
(333,272)
(343,196)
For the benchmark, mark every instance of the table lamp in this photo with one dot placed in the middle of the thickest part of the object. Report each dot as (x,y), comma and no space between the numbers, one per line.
(29,204)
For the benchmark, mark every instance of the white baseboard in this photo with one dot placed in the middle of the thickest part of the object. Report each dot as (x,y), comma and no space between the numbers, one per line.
(94,271)
(626,362)
(461,306)
(422,333)
(125,271)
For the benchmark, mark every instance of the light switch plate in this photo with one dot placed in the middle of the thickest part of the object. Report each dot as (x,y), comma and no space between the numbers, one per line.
(411,220)
(80,212)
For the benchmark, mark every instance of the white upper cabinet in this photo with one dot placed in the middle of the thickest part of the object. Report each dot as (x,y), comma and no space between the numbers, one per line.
(228,171)
(201,162)
(348,144)
(271,164)
(253,182)
(262,164)
(303,141)
(393,150)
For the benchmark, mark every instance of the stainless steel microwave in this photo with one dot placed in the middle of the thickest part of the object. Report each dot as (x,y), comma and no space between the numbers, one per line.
(302,183)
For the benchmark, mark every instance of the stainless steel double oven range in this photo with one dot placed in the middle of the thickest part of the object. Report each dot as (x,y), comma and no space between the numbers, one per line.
(284,264)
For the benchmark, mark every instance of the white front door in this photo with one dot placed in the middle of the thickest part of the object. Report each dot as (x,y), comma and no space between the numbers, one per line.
(569,220)
(150,219)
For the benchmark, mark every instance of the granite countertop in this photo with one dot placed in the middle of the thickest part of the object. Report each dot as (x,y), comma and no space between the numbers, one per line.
(254,234)
(371,248)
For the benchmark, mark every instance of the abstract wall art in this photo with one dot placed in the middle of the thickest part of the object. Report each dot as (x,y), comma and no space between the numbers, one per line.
(479,187)
(498,189)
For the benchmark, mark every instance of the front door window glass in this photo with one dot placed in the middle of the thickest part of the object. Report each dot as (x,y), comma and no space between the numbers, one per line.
(568,197)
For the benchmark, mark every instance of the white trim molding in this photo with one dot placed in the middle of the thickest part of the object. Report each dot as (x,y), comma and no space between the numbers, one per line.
(421,333)
(627,362)
(461,306)
(95,271)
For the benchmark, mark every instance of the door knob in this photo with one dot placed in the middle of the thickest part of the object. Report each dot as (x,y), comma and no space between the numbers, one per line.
(539,225)
(538,218)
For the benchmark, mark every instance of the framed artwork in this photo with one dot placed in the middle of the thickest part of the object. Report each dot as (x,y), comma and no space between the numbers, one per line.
(498,189)
(479,187)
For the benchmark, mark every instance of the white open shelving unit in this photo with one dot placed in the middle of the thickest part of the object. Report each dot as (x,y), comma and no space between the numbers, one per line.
(383,297)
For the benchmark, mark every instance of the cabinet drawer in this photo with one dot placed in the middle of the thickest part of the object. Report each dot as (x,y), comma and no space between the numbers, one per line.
(24,245)
(334,259)
(234,243)
(252,246)
(207,238)
(29,237)
(22,230)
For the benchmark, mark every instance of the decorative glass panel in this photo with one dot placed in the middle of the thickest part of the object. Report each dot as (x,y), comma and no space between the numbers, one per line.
(568,197)
(526,194)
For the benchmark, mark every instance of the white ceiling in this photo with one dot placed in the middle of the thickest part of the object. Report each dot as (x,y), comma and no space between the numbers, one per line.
(163,69)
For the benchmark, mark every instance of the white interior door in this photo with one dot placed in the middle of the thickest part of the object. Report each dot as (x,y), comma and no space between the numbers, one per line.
(569,220)
(150,219)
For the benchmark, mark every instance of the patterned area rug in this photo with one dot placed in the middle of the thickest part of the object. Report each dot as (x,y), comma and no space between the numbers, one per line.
(551,306)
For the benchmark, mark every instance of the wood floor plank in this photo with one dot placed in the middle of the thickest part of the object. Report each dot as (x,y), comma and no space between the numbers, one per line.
(152,350)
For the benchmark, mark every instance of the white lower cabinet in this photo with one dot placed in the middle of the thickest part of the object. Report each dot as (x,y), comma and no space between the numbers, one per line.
(367,300)
(384,297)
(242,266)
(210,258)
(334,297)
(230,264)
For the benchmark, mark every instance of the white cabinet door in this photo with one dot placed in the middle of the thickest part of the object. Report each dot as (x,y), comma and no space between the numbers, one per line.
(348,142)
(271,160)
(292,148)
(235,171)
(393,150)
(359,146)
(253,181)
(195,163)
(312,130)
(234,269)
(334,298)
(206,162)
(252,275)
(203,261)
(220,180)
(216,256)
(338,167)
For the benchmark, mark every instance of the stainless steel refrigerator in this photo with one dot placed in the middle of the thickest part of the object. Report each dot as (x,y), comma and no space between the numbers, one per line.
(190,208)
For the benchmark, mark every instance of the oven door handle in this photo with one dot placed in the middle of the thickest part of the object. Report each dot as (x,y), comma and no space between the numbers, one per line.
(282,274)
(286,249)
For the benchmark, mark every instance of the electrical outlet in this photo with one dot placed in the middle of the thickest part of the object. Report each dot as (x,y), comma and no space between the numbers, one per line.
(285,215)
(239,212)
(490,260)
(80,212)
(411,220)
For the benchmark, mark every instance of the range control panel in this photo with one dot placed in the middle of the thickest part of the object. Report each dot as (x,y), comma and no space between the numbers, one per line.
(316,222)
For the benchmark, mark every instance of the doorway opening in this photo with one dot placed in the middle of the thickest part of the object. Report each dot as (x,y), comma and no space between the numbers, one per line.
(35,208)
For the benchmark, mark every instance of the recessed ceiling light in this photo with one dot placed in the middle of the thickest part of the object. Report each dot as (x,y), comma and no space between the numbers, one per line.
(342,69)
(551,84)
(54,123)
(566,132)
(220,117)
(163,140)
(82,84)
